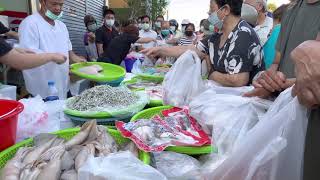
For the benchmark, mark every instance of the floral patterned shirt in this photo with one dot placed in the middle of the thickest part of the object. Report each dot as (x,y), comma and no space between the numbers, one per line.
(242,51)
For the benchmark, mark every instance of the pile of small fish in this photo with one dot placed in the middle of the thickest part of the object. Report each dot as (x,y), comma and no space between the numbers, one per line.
(103,96)
(53,158)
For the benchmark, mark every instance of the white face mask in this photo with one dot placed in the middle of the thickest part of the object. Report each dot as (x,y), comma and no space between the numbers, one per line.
(109,22)
(146,26)
(173,28)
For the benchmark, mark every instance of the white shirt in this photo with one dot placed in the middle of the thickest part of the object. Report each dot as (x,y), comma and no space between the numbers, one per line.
(148,34)
(264,30)
(39,36)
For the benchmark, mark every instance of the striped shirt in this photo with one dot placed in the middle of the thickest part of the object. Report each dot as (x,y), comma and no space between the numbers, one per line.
(185,41)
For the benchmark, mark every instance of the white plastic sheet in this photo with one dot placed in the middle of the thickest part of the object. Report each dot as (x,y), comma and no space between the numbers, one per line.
(39,117)
(177,166)
(183,81)
(118,166)
(271,150)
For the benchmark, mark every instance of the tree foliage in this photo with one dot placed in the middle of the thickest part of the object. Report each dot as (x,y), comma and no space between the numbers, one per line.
(272,7)
(152,8)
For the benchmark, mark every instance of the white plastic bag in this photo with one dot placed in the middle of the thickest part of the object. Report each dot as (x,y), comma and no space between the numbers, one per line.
(118,166)
(183,81)
(137,67)
(231,116)
(177,166)
(39,117)
(272,150)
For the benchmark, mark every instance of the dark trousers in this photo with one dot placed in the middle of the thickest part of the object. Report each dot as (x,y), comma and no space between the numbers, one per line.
(312,148)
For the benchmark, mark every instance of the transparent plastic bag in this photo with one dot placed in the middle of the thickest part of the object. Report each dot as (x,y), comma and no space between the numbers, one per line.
(231,116)
(177,166)
(137,68)
(39,117)
(183,81)
(118,166)
(272,149)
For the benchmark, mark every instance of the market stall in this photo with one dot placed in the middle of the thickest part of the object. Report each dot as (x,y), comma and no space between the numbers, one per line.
(205,131)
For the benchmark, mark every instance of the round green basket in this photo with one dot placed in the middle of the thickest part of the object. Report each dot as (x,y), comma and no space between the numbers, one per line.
(67,134)
(110,72)
(153,103)
(149,113)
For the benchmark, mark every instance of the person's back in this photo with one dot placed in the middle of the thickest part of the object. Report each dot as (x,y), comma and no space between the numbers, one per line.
(36,34)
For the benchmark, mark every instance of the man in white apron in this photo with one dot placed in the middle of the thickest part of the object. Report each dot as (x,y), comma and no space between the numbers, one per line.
(43,32)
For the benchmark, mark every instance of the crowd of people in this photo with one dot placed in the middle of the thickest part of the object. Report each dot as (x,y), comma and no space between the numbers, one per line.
(240,42)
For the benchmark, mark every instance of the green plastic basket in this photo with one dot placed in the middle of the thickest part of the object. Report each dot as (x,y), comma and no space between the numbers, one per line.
(153,103)
(67,134)
(149,113)
(153,78)
(110,72)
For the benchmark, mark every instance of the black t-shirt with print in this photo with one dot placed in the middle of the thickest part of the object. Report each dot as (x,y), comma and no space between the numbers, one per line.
(104,36)
(242,51)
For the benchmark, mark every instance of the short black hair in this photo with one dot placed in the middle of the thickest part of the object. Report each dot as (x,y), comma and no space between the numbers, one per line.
(108,11)
(160,16)
(145,16)
(235,5)
(202,22)
(192,25)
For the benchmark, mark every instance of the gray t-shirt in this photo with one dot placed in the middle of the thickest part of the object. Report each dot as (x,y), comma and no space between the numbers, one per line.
(300,23)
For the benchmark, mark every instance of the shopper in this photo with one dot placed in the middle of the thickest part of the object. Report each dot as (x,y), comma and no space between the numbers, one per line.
(157,24)
(264,23)
(147,31)
(165,33)
(235,54)
(189,37)
(107,32)
(120,46)
(90,38)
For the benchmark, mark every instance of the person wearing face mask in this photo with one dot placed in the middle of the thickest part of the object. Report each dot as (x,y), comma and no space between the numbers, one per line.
(189,37)
(106,33)
(157,24)
(165,33)
(234,55)
(43,32)
(184,23)
(140,22)
(147,32)
(90,38)
(249,14)
(264,23)
(120,46)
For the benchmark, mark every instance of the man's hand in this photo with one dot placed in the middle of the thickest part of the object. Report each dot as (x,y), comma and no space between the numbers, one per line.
(258,92)
(75,58)
(271,80)
(152,52)
(57,58)
(307,64)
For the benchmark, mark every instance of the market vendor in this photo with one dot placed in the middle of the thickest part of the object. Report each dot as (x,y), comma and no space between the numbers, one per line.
(22,59)
(234,54)
(43,32)
(120,46)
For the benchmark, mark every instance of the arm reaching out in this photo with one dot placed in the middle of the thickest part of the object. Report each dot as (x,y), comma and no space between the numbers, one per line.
(21,61)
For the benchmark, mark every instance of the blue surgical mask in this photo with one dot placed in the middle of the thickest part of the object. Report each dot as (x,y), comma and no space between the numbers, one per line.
(52,16)
(165,32)
(215,21)
(92,27)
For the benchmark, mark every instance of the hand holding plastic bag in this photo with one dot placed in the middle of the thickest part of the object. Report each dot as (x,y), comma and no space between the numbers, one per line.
(183,81)
(272,149)
(118,166)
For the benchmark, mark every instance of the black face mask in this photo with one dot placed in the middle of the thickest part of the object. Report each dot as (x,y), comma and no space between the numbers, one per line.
(189,33)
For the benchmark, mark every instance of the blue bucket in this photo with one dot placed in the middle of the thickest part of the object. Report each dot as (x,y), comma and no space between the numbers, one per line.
(115,83)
